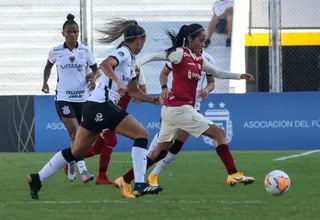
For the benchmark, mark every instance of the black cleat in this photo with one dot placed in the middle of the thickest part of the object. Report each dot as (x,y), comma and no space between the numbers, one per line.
(141,189)
(35,185)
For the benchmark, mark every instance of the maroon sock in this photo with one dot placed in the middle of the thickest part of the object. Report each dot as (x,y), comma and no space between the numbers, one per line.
(104,161)
(226,157)
(110,141)
(129,176)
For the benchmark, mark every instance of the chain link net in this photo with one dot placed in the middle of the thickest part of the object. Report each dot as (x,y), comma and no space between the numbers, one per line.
(156,17)
(29,29)
(300,41)
(301,45)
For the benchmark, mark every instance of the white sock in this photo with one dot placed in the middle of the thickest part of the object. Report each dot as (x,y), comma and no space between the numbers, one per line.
(81,166)
(54,165)
(163,163)
(139,160)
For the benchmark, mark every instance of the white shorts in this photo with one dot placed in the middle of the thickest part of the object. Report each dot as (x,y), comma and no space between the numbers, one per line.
(221,6)
(186,118)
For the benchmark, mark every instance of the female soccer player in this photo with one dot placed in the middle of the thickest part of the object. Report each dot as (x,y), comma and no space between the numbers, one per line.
(175,146)
(178,112)
(72,60)
(202,93)
(107,141)
(101,112)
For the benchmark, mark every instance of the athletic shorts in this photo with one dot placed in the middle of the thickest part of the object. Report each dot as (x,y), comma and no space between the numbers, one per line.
(221,6)
(186,118)
(69,109)
(97,117)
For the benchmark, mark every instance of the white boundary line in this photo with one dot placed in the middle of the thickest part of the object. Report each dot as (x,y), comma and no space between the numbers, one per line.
(297,155)
(145,201)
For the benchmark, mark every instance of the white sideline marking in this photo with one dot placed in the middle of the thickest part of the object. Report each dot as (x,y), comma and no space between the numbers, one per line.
(297,155)
(145,201)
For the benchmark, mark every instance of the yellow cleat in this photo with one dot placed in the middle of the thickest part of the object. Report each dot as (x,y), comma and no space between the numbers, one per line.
(153,179)
(239,177)
(125,188)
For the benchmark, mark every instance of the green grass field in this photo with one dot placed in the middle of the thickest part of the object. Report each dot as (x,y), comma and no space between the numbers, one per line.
(194,188)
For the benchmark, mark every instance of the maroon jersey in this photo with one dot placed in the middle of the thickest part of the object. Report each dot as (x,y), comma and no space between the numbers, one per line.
(125,100)
(186,75)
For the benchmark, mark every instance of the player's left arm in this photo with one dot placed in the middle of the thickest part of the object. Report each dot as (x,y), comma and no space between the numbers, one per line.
(210,86)
(222,74)
(210,83)
(136,93)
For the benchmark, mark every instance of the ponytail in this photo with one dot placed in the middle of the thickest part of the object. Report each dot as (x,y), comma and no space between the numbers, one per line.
(181,39)
(118,27)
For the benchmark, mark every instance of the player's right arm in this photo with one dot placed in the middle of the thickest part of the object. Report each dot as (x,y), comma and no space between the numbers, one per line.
(47,71)
(164,80)
(174,57)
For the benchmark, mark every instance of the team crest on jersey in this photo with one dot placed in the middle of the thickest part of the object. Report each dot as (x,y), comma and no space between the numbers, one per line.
(221,117)
(72,58)
(66,110)
(121,54)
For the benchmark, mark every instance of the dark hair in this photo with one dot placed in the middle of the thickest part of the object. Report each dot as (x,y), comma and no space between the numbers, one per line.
(117,27)
(181,39)
(70,20)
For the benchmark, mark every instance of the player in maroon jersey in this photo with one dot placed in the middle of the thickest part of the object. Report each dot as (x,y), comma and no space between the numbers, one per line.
(105,144)
(178,111)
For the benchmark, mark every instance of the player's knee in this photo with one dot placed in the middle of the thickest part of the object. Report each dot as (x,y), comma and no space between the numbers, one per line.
(183,136)
(142,133)
(220,135)
(216,133)
(141,142)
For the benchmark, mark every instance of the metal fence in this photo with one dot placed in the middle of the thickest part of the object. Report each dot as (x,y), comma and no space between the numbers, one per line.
(294,25)
(29,29)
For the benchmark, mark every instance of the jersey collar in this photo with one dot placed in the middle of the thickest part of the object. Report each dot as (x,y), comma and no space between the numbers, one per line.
(193,55)
(132,55)
(65,45)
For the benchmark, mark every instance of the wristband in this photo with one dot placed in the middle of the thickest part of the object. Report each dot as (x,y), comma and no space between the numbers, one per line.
(164,86)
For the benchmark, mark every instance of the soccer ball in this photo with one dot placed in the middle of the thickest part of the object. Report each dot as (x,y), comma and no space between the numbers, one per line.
(277,182)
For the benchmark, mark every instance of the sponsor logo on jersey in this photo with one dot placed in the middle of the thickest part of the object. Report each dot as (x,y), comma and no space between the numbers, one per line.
(193,75)
(75,94)
(79,67)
